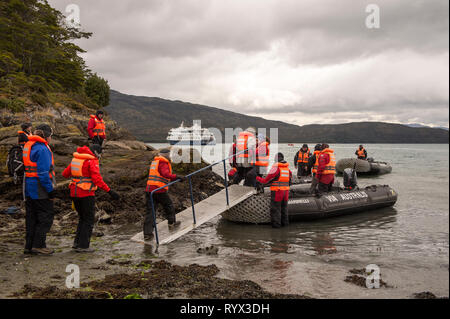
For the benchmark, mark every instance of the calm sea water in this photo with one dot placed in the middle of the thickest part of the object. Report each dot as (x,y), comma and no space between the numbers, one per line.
(409,242)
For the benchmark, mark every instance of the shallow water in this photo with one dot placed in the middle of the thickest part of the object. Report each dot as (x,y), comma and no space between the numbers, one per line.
(409,242)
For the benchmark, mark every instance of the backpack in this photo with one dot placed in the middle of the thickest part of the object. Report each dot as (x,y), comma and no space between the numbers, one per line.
(15,165)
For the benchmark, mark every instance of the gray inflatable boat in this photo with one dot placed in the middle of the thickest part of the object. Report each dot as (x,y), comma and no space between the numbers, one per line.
(363,167)
(304,206)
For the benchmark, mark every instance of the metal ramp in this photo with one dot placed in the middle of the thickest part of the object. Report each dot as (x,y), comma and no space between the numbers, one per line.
(204,211)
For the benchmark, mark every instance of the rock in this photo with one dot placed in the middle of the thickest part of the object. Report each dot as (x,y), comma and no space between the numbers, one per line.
(69,130)
(61,147)
(8,132)
(116,144)
(127,145)
(104,218)
(77,140)
(211,250)
(10,141)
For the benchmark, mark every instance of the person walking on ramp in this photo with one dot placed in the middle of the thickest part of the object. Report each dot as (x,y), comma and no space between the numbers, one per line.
(159,175)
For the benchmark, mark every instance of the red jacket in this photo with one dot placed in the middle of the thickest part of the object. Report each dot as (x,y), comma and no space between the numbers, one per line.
(91,126)
(163,169)
(90,168)
(324,159)
(274,174)
(232,160)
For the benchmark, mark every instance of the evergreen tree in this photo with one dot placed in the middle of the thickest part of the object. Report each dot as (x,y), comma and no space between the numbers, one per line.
(97,89)
(36,43)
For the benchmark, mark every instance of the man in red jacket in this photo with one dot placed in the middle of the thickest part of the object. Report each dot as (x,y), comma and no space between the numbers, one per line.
(85,174)
(326,170)
(160,174)
(279,177)
(96,128)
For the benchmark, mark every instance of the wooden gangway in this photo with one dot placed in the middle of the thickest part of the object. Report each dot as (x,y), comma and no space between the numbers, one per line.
(204,211)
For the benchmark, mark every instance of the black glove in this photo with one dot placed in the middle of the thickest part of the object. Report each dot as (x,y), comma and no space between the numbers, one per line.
(52,194)
(182,178)
(114,195)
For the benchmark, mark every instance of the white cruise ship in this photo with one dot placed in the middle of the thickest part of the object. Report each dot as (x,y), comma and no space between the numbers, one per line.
(194,135)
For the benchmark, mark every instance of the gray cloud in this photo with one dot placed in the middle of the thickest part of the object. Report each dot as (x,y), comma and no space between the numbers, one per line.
(278,58)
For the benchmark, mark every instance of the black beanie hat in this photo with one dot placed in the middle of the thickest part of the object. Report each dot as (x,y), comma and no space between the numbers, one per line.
(99,112)
(305,145)
(318,147)
(25,126)
(45,129)
(279,157)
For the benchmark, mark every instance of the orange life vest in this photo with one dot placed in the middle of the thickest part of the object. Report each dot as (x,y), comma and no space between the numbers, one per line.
(282,184)
(76,169)
(154,177)
(263,159)
(22,132)
(361,153)
(303,157)
(99,128)
(31,167)
(242,143)
(331,166)
(316,164)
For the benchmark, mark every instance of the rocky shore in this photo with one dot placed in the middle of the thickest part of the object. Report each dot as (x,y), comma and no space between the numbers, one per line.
(113,273)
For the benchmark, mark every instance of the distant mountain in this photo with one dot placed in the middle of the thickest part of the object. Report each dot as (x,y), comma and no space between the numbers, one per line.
(421,125)
(150,119)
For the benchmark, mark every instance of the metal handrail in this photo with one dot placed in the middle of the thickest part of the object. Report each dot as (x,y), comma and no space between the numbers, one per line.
(189,177)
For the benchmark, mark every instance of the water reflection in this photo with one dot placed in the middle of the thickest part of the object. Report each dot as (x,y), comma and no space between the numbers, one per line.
(317,237)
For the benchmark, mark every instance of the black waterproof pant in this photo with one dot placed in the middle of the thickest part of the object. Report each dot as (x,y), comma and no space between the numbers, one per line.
(248,174)
(85,208)
(97,140)
(278,212)
(325,188)
(38,221)
(169,210)
(302,169)
(314,182)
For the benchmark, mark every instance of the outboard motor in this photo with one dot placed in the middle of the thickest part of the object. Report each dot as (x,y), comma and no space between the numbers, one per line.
(350,179)
(370,159)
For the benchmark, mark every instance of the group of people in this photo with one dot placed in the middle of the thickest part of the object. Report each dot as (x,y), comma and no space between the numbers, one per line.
(249,161)
(321,165)
(40,184)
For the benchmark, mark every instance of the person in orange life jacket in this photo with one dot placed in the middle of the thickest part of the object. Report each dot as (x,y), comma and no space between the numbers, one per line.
(160,174)
(279,177)
(361,153)
(96,128)
(84,171)
(313,164)
(301,159)
(245,163)
(262,155)
(326,169)
(39,190)
(24,133)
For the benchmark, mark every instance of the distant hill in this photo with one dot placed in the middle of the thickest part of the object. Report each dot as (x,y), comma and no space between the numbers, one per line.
(150,119)
(421,125)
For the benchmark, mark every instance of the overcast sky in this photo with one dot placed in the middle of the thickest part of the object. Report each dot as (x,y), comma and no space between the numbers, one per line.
(300,61)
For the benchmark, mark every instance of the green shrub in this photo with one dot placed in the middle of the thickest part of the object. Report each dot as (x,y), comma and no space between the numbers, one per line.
(15,105)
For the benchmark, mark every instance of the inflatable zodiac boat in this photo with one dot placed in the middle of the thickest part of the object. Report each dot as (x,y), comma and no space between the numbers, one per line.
(363,167)
(304,206)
